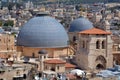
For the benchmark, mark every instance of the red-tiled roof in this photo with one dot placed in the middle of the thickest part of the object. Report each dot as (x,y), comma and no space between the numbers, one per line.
(3,55)
(68,65)
(94,31)
(55,61)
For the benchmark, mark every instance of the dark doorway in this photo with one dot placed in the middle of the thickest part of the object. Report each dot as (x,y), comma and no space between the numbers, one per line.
(101,62)
(52,69)
(100,66)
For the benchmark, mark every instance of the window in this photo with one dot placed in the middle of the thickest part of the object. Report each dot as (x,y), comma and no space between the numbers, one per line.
(9,40)
(44,57)
(58,67)
(33,55)
(97,44)
(103,44)
(74,38)
(83,44)
(45,67)
(7,48)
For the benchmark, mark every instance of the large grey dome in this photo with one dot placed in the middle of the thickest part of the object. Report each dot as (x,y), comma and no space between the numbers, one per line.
(44,32)
(80,24)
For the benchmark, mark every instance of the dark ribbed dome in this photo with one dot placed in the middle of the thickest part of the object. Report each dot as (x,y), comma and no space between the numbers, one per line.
(44,32)
(80,24)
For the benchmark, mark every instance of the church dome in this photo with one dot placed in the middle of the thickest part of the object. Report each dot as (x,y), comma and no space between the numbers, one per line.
(80,24)
(44,32)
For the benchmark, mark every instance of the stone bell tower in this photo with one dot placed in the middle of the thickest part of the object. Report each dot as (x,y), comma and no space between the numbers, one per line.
(95,50)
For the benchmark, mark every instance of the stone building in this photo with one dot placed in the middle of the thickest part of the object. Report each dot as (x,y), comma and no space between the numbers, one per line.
(54,64)
(7,45)
(45,38)
(116,49)
(93,45)
(58,65)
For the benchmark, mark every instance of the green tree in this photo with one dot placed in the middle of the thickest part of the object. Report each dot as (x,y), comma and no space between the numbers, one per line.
(1,23)
(9,23)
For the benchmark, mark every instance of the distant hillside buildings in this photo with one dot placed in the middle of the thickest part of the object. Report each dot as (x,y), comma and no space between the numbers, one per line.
(90,45)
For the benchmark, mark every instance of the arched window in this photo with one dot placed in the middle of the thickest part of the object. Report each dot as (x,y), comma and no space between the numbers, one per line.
(98,44)
(101,58)
(83,44)
(103,44)
(74,38)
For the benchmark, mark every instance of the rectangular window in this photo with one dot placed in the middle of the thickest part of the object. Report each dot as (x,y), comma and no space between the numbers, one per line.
(44,57)
(58,67)
(46,67)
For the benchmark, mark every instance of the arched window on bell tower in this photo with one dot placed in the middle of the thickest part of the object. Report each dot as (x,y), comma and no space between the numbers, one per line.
(97,44)
(103,44)
(83,45)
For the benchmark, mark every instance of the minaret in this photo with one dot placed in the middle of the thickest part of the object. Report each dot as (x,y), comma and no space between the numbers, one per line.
(42,56)
(105,22)
(106,25)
